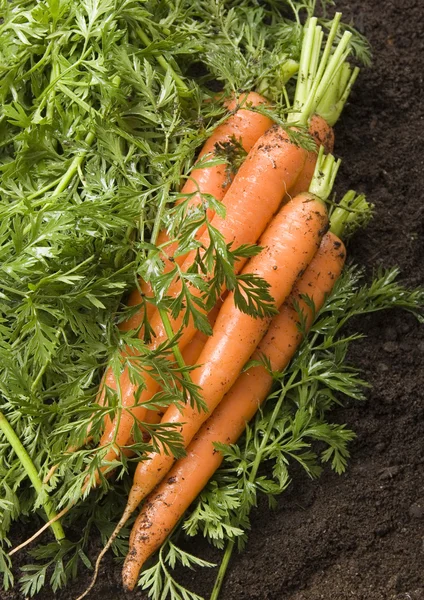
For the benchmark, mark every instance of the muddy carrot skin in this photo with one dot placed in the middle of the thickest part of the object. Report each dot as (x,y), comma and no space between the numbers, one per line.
(246,127)
(166,505)
(289,244)
(271,167)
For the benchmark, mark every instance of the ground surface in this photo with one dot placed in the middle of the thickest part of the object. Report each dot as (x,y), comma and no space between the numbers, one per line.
(359,536)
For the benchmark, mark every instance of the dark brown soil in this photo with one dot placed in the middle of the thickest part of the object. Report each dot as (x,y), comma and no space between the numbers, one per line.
(359,536)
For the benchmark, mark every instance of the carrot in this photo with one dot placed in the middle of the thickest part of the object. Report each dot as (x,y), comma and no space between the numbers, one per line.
(166,505)
(289,244)
(323,134)
(271,167)
(246,127)
(249,214)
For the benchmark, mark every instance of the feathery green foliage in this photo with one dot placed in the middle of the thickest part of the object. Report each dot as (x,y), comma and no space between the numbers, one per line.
(104,104)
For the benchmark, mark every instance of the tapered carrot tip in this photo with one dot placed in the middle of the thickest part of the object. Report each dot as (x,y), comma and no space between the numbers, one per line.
(138,553)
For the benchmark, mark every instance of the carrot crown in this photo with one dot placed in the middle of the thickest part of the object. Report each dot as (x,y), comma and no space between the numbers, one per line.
(316,74)
(324,175)
(352,212)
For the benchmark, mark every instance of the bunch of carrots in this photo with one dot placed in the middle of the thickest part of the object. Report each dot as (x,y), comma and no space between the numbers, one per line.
(278,200)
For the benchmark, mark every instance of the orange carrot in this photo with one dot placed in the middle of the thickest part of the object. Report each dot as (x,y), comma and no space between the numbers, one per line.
(246,127)
(166,505)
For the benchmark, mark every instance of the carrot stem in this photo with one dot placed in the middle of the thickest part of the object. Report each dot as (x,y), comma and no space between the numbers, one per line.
(32,473)
(77,161)
(352,212)
(308,50)
(222,570)
(327,49)
(44,189)
(287,70)
(321,86)
(50,102)
(324,175)
(159,214)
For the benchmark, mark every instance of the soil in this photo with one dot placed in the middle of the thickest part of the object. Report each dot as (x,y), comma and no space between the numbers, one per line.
(358,536)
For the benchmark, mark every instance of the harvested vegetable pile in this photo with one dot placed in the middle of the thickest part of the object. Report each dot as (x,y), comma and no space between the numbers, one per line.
(95,143)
